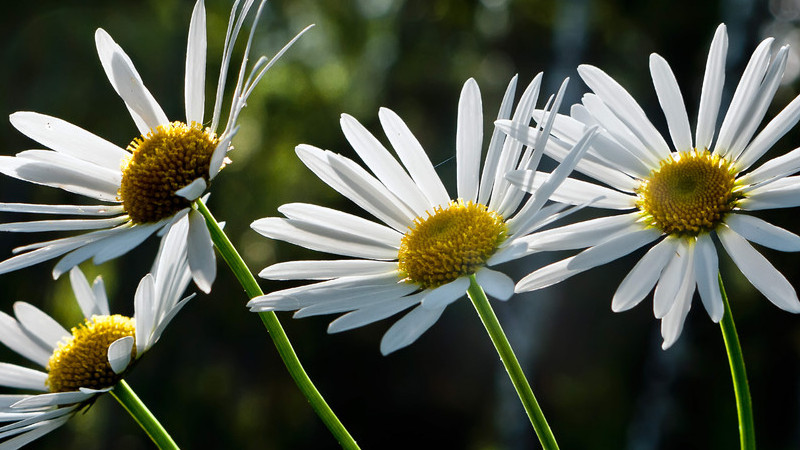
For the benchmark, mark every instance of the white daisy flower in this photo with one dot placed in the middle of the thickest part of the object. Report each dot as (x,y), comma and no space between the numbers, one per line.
(95,355)
(430,242)
(680,196)
(147,187)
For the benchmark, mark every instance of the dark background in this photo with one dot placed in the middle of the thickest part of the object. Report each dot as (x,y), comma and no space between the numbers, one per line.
(215,380)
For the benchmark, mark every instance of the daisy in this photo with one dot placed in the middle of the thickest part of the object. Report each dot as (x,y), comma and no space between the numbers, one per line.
(91,358)
(148,186)
(680,197)
(430,243)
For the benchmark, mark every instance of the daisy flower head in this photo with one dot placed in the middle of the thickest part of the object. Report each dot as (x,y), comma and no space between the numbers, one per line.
(430,243)
(680,197)
(93,356)
(148,186)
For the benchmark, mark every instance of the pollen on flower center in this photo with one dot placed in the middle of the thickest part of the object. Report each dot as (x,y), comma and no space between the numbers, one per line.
(82,360)
(450,243)
(165,160)
(690,193)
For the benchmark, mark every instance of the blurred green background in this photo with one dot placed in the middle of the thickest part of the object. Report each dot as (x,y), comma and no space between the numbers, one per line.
(215,380)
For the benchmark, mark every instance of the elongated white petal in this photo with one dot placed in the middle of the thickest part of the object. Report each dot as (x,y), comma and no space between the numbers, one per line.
(767,137)
(573,191)
(469,140)
(743,98)
(759,271)
(497,141)
(672,323)
(119,354)
(163,320)
(64,172)
(100,298)
(144,109)
(706,269)
(45,251)
(782,193)
(69,139)
(373,313)
(63,225)
(13,336)
(669,285)
(193,190)
(383,164)
(547,276)
(33,432)
(200,249)
(764,233)
(52,399)
(121,243)
(671,100)
(338,220)
(77,210)
(443,295)
(641,279)
(711,95)
(773,170)
(495,283)
(325,270)
(614,248)
(413,157)
(409,328)
(22,377)
(79,248)
(39,324)
(144,307)
(626,108)
(195,80)
(358,297)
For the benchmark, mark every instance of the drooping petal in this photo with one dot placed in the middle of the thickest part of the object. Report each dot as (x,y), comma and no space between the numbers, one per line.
(200,249)
(759,271)
(706,268)
(373,313)
(409,328)
(644,275)
(144,307)
(495,283)
(443,295)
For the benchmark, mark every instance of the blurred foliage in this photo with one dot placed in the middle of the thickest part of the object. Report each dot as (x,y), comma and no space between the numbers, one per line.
(215,380)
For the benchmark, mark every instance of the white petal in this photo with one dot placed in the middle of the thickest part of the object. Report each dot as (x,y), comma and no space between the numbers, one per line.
(372,313)
(772,170)
(626,109)
(22,378)
(364,297)
(52,399)
(496,284)
(40,324)
(383,164)
(547,276)
(443,295)
(326,270)
(81,247)
(706,268)
(119,354)
(77,210)
(671,100)
(64,172)
(743,98)
(671,280)
(414,158)
(469,140)
(781,193)
(121,243)
(195,85)
(144,109)
(711,95)
(100,298)
(193,190)
(63,225)
(13,336)
(333,241)
(759,271)
(35,432)
(775,129)
(334,219)
(69,139)
(615,247)
(641,279)
(200,249)
(409,328)
(764,233)
(573,191)
(144,306)
(672,323)
(220,153)
(496,143)
(44,251)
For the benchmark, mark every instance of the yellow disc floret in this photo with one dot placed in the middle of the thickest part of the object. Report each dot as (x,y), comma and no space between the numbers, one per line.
(450,243)
(167,159)
(82,360)
(690,193)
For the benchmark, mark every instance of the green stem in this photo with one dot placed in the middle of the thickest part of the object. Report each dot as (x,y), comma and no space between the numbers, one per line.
(131,402)
(511,364)
(275,330)
(744,406)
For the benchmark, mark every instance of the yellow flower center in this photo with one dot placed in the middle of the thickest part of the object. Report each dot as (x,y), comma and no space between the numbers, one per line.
(167,159)
(690,193)
(82,360)
(450,243)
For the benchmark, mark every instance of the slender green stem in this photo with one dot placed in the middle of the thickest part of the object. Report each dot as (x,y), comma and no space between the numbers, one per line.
(131,402)
(511,364)
(275,330)
(744,406)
